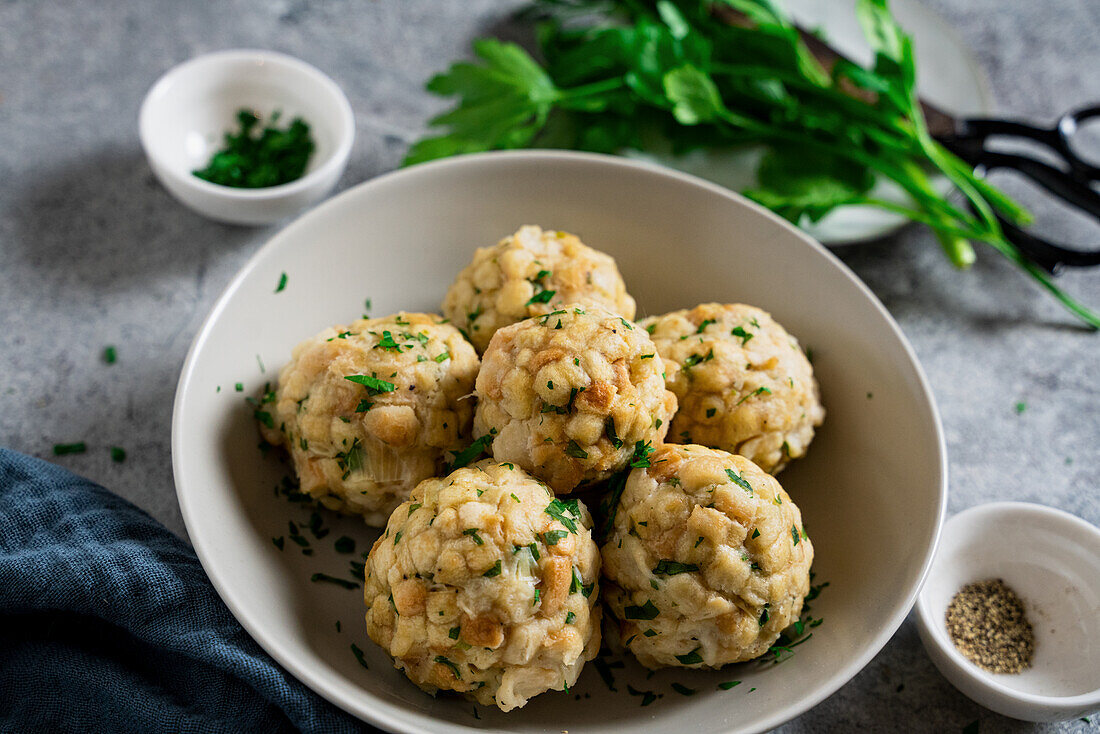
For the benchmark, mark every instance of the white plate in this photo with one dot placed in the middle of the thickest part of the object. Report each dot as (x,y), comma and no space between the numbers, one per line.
(872,489)
(947,76)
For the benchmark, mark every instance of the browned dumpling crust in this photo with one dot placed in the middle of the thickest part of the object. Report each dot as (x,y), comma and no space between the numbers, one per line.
(361,447)
(530,273)
(707,560)
(568,395)
(487,585)
(743,383)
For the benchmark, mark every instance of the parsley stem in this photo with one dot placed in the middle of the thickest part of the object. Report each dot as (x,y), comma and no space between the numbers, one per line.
(587,90)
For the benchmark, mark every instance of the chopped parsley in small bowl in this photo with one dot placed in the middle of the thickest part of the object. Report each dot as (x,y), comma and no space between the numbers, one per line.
(247,137)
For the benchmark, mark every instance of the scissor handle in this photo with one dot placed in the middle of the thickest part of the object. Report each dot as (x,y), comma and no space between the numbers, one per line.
(1055,181)
(1067,127)
(1074,186)
(971,134)
(1049,256)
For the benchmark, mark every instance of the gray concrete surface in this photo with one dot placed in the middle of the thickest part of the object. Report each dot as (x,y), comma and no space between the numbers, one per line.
(93,253)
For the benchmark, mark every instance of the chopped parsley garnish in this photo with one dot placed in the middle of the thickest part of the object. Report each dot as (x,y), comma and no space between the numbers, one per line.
(648,356)
(740,481)
(576,582)
(358,653)
(573,393)
(627,324)
(388,343)
(541,274)
(61,449)
(373,384)
(691,658)
(397,537)
(446,661)
(1020,407)
(574,450)
(442,357)
(666,567)
(742,334)
(333,580)
(543,296)
(755,533)
(465,456)
(697,359)
(758,391)
(698,542)
(604,669)
(350,460)
(640,459)
(110,355)
(551,537)
(610,503)
(494,571)
(472,532)
(513,495)
(609,431)
(414,508)
(683,690)
(764,615)
(557,509)
(703,326)
(646,611)
(711,412)
(257,157)
(118,454)
(569,617)
(344,544)
(282,284)
(648,697)
(239,387)
(794,534)
(729,684)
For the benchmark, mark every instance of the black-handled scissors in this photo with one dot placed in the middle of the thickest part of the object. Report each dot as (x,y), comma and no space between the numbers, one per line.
(968,139)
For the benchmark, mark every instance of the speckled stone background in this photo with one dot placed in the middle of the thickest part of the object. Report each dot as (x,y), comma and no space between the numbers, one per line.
(93,252)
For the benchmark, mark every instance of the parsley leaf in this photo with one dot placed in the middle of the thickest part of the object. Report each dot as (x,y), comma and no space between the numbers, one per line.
(374,385)
(464,457)
(666,567)
(646,611)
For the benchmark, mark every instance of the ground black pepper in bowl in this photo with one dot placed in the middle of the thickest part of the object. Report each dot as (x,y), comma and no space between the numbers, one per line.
(987,623)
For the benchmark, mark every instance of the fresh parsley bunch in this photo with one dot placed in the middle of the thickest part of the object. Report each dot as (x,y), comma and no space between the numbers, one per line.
(676,75)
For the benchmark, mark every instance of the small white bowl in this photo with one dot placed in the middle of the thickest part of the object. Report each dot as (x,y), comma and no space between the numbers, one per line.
(186,114)
(1052,560)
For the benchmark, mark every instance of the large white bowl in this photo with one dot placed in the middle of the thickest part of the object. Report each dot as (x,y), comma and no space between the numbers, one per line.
(872,489)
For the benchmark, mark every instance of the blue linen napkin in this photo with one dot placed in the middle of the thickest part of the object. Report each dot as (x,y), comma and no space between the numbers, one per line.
(109,624)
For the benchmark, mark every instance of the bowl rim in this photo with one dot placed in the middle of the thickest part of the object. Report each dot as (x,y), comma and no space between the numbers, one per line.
(959,662)
(396,718)
(330,167)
